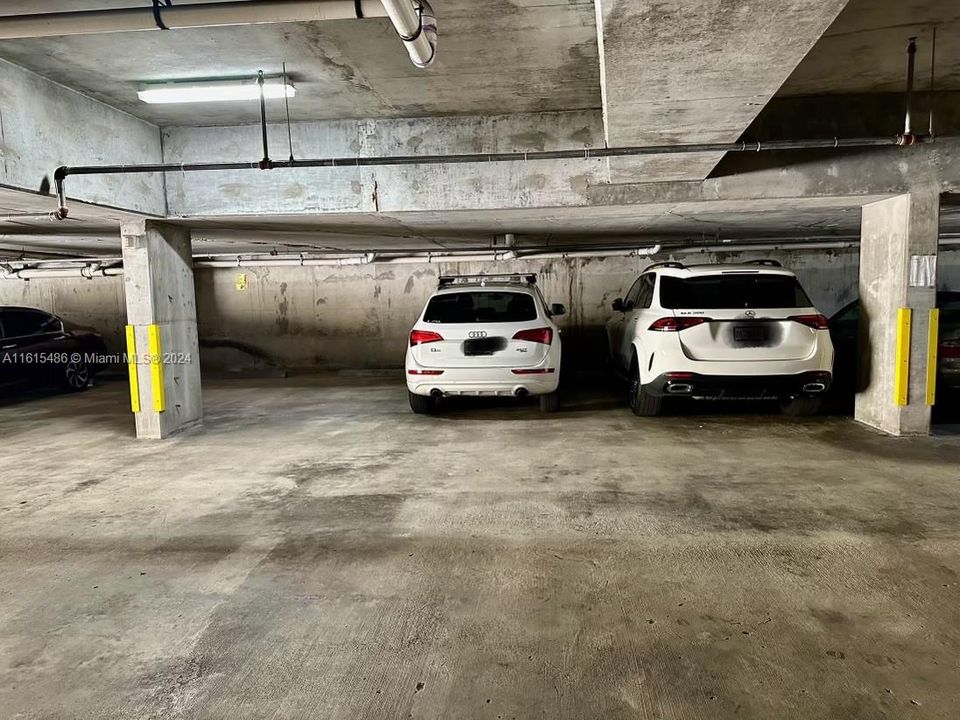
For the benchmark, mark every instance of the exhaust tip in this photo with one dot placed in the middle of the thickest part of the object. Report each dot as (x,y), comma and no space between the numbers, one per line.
(679,389)
(436,393)
(814,387)
(521,392)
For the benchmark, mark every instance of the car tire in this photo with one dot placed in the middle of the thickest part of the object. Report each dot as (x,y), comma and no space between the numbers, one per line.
(642,403)
(800,406)
(421,404)
(75,375)
(550,402)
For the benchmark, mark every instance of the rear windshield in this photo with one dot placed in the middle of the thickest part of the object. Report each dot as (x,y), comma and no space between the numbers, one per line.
(480,306)
(732,291)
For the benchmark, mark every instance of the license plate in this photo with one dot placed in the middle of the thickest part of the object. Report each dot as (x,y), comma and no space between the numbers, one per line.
(484,346)
(750,333)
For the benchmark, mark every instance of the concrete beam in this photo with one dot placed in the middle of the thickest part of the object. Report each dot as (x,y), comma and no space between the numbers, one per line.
(688,71)
(160,297)
(804,174)
(534,184)
(44,125)
(379,189)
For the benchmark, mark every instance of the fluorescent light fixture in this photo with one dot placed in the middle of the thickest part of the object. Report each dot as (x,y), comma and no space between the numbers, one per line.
(215,91)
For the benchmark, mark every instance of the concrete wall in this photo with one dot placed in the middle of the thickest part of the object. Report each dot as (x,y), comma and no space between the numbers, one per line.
(97,304)
(44,125)
(318,317)
(428,187)
(360,316)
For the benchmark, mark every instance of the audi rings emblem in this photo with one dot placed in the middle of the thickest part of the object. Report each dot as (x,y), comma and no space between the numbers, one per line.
(474,334)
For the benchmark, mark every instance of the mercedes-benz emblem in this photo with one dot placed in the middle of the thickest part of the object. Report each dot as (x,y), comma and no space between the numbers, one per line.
(750,313)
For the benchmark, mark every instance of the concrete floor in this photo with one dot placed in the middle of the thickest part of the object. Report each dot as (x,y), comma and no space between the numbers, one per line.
(319,552)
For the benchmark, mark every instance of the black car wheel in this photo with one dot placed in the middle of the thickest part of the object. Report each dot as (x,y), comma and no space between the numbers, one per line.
(550,403)
(642,403)
(76,375)
(421,404)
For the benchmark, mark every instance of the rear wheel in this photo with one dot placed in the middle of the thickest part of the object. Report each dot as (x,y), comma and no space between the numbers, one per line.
(550,403)
(642,403)
(800,406)
(421,404)
(76,375)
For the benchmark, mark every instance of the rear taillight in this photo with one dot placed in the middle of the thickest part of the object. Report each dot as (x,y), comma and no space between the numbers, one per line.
(817,322)
(676,324)
(424,372)
(533,371)
(420,337)
(538,335)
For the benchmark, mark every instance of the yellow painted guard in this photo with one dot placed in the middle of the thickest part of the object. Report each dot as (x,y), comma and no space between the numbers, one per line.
(132,369)
(156,368)
(933,333)
(901,372)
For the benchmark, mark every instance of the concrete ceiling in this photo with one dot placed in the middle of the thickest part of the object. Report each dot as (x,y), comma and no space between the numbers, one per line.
(864,51)
(676,71)
(682,70)
(495,57)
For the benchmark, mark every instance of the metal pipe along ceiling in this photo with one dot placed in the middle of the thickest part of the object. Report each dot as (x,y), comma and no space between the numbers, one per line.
(211,14)
(63,172)
(414,20)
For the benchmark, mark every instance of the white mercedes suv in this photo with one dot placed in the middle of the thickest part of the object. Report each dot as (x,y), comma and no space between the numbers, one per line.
(715,332)
(484,335)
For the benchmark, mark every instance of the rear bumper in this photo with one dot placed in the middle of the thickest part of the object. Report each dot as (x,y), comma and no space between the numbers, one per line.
(739,387)
(485,382)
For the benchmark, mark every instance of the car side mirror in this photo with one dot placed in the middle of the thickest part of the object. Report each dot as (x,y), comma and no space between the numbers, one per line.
(558,309)
(618,305)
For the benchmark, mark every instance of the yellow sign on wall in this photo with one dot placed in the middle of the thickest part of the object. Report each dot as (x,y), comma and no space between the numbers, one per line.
(241,281)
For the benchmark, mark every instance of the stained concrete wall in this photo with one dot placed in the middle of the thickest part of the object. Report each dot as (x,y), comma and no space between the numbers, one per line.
(44,125)
(96,304)
(360,316)
(427,187)
(318,317)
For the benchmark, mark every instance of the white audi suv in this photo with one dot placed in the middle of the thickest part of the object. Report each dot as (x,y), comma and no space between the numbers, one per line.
(716,332)
(484,335)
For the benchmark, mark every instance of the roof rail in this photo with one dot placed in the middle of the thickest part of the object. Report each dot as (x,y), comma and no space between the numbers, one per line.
(665,263)
(767,262)
(483,278)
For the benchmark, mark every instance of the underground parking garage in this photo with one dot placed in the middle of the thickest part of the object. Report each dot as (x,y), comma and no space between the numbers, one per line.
(456,360)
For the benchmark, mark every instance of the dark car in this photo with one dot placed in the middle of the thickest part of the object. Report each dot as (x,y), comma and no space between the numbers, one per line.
(844,331)
(39,349)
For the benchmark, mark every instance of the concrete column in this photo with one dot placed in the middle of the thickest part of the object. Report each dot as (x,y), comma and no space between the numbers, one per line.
(898,253)
(162,310)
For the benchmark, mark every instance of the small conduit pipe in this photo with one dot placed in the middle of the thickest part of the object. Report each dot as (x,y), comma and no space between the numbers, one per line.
(83,268)
(65,171)
(908,138)
(635,252)
(88,271)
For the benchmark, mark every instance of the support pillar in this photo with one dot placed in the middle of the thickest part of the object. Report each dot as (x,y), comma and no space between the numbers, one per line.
(162,328)
(898,278)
